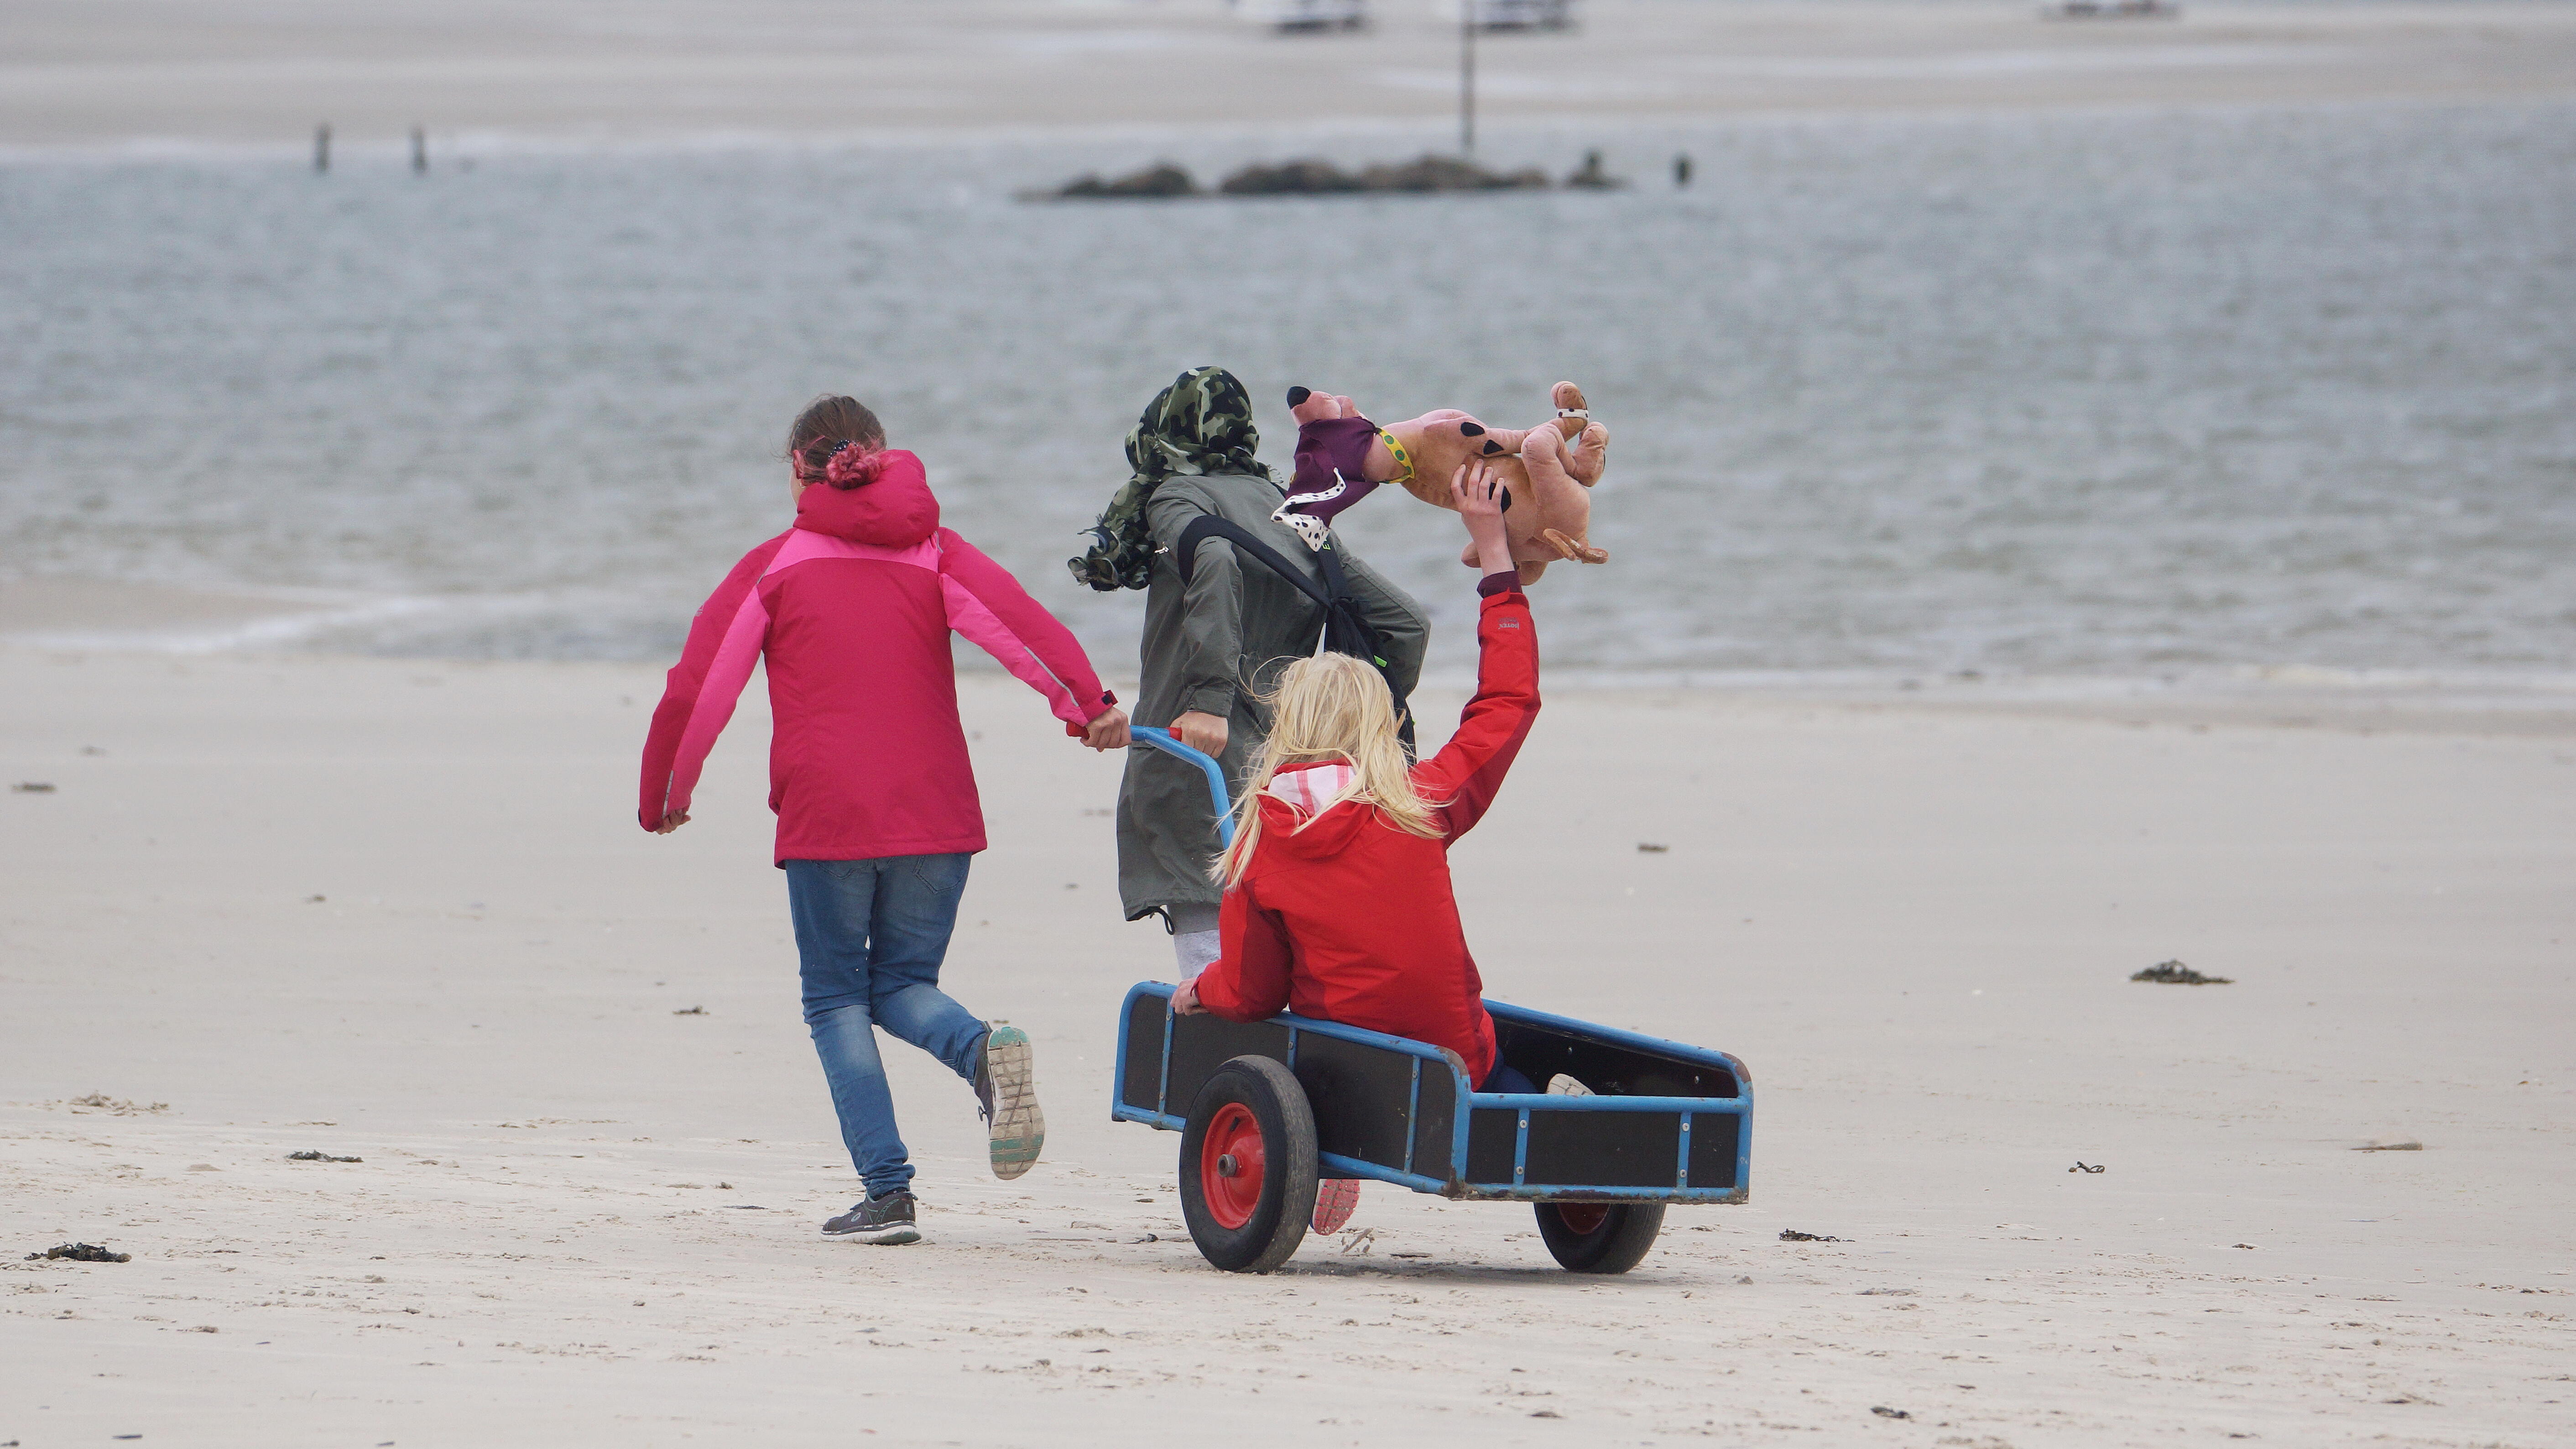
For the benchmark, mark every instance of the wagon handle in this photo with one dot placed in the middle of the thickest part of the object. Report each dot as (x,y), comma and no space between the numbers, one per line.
(1161,739)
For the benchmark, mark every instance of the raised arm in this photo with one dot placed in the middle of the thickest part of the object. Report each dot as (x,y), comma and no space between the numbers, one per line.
(1469,769)
(988,606)
(699,694)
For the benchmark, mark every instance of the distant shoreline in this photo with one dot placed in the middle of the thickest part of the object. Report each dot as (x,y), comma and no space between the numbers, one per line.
(159,73)
(1501,141)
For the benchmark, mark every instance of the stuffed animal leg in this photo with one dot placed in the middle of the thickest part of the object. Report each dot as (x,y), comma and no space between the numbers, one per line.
(1549,459)
(1340,460)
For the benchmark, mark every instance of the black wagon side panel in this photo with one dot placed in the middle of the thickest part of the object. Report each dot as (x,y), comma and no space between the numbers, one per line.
(1716,1150)
(1493,1136)
(1140,1075)
(1362,1097)
(1435,1124)
(1605,1149)
(1203,1043)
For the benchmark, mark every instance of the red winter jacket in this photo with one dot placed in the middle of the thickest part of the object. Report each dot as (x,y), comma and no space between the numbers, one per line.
(852,609)
(1351,919)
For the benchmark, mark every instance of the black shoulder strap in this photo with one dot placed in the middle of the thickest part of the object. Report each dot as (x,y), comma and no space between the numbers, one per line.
(1345,630)
(1337,584)
(1185,553)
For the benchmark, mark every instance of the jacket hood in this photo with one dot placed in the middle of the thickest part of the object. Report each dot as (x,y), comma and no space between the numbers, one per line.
(1331,833)
(894,511)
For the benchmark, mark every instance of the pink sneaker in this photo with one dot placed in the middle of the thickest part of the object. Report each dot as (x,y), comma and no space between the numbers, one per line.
(1335,1198)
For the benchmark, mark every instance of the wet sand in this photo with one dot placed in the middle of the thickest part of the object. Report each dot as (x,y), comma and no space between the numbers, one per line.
(399,911)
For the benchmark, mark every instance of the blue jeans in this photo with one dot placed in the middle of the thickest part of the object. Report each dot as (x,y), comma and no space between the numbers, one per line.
(870,935)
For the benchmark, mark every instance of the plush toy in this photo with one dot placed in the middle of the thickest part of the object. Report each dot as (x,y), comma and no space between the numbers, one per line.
(1342,457)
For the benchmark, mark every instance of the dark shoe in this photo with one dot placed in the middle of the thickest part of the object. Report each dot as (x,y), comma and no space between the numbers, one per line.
(984,1075)
(883,1220)
(1006,1091)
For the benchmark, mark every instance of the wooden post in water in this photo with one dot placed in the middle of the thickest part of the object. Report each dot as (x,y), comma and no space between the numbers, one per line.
(321,148)
(419,152)
(1467,79)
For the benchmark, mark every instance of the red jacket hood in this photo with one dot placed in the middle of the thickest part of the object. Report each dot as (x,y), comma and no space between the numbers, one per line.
(895,511)
(1331,833)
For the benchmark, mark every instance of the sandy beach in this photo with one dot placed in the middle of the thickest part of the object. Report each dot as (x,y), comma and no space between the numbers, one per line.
(397,911)
(78,72)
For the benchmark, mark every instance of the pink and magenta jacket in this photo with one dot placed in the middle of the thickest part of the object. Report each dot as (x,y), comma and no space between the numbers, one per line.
(852,608)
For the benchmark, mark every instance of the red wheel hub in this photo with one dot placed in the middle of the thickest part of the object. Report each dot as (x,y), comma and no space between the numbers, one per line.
(1233,1161)
(1583,1219)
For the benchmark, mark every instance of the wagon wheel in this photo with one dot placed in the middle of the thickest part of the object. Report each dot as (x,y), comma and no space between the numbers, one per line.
(1248,1166)
(1599,1237)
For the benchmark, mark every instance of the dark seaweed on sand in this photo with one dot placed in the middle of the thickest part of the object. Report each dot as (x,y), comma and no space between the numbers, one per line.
(82,1253)
(2174,973)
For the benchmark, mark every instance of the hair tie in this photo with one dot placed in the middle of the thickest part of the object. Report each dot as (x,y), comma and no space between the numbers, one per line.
(850,466)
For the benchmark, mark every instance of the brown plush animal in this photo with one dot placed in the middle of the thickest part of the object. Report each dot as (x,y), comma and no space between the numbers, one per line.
(1342,457)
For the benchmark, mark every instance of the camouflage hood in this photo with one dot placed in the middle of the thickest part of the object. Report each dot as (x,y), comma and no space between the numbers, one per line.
(1199,425)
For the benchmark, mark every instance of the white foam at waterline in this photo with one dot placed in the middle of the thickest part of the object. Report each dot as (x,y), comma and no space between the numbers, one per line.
(277,631)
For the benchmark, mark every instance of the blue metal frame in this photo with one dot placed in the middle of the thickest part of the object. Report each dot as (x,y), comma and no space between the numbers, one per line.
(1161,739)
(1521,1104)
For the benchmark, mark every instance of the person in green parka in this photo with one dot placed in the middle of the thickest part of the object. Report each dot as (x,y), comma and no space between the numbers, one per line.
(1212,647)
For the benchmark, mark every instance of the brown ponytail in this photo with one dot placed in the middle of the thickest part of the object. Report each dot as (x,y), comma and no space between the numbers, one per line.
(832,439)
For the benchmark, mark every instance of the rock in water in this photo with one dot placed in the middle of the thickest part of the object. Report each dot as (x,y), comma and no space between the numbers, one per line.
(1289,178)
(1448,173)
(1308,177)
(1154,183)
(1591,177)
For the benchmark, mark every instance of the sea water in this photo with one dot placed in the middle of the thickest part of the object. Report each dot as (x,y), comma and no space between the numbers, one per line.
(2105,393)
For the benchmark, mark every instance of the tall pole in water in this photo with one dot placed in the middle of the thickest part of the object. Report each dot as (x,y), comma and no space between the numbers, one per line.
(322,148)
(1467,78)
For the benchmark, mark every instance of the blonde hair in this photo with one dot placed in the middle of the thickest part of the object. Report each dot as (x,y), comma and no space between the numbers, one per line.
(1330,707)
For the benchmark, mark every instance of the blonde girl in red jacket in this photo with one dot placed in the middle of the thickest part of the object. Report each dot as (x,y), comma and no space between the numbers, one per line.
(1337,897)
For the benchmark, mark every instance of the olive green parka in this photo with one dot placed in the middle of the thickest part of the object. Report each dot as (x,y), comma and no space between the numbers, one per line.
(1216,645)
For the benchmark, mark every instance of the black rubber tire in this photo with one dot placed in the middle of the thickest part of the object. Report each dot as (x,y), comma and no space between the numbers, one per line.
(1278,1221)
(1618,1243)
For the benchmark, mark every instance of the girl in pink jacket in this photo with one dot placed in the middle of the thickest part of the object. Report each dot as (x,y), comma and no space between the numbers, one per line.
(877,813)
